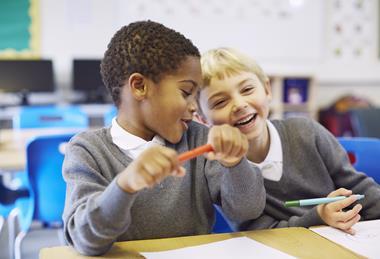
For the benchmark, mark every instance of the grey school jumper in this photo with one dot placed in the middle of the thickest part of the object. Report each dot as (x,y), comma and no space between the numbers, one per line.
(314,164)
(98,213)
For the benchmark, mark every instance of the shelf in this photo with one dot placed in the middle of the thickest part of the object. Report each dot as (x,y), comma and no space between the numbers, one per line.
(292,96)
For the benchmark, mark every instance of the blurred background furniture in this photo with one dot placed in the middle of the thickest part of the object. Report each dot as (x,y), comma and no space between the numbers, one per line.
(366,122)
(45,203)
(108,116)
(337,117)
(364,154)
(50,116)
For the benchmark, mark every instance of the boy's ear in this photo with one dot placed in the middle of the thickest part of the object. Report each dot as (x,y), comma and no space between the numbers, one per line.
(268,89)
(138,86)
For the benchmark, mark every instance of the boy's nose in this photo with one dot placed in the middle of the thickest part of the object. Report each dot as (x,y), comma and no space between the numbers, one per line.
(193,106)
(239,105)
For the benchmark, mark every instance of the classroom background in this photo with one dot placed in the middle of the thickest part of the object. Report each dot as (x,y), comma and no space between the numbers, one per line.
(323,59)
(332,43)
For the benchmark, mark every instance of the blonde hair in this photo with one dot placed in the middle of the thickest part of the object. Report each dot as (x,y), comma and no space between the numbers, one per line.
(225,62)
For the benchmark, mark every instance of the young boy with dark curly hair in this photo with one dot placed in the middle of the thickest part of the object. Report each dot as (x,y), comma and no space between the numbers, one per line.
(125,182)
(299,159)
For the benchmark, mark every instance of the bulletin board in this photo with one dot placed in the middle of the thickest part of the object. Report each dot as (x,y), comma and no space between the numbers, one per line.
(19,29)
(351,30)
(268,30)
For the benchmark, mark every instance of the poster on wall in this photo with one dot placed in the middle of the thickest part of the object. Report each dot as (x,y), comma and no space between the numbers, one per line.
(19,29)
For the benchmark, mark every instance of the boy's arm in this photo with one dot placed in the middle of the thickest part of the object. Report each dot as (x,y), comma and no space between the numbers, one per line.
(311,218)
(97,210)
(345,176)
(239,190)
(234,185)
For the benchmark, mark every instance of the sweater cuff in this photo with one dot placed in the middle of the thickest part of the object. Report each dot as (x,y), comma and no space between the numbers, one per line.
(313,218)
(242,165)
(245,174)
(243,193)
(115,201)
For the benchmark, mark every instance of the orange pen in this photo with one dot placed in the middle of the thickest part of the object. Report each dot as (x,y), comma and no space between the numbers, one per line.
(195,152)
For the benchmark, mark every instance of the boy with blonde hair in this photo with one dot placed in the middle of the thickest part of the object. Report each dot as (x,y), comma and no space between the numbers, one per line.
(298,158)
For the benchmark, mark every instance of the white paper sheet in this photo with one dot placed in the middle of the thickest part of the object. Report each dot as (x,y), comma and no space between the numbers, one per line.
(366,241)
(237,248)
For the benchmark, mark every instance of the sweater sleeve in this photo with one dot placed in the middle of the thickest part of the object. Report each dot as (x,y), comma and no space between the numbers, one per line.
(239,190)
(310,218)
(344,175)
(97,210)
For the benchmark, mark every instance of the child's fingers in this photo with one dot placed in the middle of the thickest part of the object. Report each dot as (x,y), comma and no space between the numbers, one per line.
(215,138)
(348,224)
(338,205)
(152,173)
(144,179)
(217,144)
(348,215)
(340,192)
(149,168)
(210,156)
(227,141)
(160,163)
(153,169)
(236,144)
(180,172)
(166,164)
(243,145)
(171,157)
(350,231)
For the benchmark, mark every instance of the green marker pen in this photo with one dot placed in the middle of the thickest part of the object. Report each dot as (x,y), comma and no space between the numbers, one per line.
(317,201)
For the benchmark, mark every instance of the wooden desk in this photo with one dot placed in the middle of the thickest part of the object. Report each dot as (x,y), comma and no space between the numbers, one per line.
(299,242)
(13,145)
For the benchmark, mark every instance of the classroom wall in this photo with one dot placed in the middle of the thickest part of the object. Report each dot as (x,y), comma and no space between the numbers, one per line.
(286,37)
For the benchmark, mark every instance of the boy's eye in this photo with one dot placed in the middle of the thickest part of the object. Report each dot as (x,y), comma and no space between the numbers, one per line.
(218,104)
(185,93)
(247,89)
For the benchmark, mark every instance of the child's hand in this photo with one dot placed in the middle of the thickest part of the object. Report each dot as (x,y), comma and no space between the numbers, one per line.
(332,214)
(150,168)
(229,145)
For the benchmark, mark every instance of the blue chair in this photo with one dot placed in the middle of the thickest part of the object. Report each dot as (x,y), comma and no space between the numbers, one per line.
(47,117)
(1,222)
(221,224)
(109,115)
(50,117)
(366,122)
(8,198)
(45,204)
(5,211)
(364,154)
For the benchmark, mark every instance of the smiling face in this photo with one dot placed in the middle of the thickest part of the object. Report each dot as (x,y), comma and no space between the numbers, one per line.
(169,105)
(240,100)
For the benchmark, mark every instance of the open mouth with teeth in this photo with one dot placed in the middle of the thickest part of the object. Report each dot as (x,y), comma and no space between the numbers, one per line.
(246,120)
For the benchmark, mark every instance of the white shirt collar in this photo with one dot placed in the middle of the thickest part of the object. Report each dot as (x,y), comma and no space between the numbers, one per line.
(130,144)
(271,167)
(275,148)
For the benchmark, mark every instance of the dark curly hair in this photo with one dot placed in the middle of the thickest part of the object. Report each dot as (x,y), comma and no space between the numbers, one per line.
(144,47)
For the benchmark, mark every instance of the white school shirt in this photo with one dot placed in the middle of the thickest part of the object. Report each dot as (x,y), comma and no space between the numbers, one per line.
(130,144)
(271,167)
